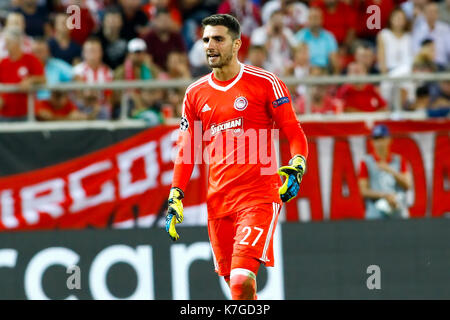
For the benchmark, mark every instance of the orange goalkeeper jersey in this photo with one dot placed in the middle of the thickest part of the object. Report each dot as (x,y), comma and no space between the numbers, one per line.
(234,121)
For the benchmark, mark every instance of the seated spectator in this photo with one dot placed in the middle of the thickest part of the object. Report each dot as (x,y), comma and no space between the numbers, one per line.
(365,54)
(161,40)
(444,11)
(151,6)
(321,44)
(339,19)
(300,67)
(92,105)
(197,60)
(360,97)
(414,10)
(93,70)
(56,70)
(439,101)
(436,30)
(279,42)
(57,108)
(249,16)
(422,98)
(321,97)
(61,45)
(147,105)
(423,63)
(384,178)
(394,43)
(114,47)
(36,18)
(19,68)
(178,66)
(257,56)
(138,65)
(135,21)
(295,13)
(15,19)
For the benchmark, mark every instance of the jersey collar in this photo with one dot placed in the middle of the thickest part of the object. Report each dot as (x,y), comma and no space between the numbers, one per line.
(225,88)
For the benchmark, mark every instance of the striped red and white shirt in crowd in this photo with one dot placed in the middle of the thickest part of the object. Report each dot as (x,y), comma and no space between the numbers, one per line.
(101,74)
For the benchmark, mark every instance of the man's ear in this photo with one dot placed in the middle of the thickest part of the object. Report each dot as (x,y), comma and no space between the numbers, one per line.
(237,44)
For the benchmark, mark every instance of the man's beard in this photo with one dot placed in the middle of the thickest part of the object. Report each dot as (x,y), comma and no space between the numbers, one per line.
(221,62)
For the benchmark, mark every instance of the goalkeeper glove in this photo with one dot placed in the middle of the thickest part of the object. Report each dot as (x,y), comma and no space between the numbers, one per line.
(174,212)
(293,173)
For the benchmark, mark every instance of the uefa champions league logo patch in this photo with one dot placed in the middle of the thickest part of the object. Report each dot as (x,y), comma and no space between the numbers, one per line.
(240,103)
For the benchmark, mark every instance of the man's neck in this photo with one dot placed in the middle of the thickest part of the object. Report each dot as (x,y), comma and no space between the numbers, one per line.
(15,55)
(315,30)
(227,72)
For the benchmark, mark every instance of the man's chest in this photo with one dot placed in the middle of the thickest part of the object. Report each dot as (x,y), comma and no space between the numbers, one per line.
(235,107)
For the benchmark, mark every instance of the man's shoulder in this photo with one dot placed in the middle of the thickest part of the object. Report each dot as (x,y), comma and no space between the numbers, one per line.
(259,74)
(198,85)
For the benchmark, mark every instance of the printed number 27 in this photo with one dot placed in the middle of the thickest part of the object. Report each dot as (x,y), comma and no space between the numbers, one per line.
(249,230)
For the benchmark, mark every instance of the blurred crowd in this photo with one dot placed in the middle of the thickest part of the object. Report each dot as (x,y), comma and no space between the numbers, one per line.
(99,41)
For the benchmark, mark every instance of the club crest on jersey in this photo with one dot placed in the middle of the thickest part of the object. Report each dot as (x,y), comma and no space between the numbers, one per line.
(240,103)
(235,124)
(280,102)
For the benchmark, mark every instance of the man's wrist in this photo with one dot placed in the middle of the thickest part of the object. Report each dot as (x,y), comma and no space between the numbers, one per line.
(176,193)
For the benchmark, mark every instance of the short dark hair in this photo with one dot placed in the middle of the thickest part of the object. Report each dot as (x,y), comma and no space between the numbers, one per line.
(226,20)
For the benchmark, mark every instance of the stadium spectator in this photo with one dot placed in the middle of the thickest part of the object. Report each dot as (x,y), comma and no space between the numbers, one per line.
(300,67)
(247,12)
(365,54)
(61,45)
(321,97)
(161,40)
(197,60)
(444,11)
(151,6)
(147,105)
(135,21)
(138,65)
(295,13)
(114,46)
(15,19)
(93,70)
(436,30)
(423,63)
(339,18)
(361,97)
(249,15)
(56,70)
(257,56)
(36,18)
(193,11)
(414,10)
(92,105)
(178,66)
(19,68)
(394,43)
(384,8)
(321,44)
(279,42)
(58,108)
(384,178)
(439,100)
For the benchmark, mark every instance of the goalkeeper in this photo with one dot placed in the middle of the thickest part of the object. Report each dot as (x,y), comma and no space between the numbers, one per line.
(244,195)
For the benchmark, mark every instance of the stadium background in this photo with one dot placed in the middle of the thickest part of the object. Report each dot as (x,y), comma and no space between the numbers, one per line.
(101,174)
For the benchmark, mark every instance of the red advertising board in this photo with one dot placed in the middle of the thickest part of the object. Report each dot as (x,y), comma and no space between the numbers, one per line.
(131,179)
